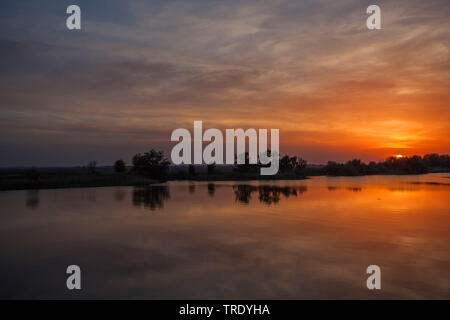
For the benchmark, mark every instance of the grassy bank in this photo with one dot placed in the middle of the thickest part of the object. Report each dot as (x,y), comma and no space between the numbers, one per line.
(54,181)
(53,178)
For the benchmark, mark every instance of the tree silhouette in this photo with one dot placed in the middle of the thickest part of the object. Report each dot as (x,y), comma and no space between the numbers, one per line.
(392,165)
(211,168)
(292,164)
(92,167)
(151,164)
(119,166)
(191,170)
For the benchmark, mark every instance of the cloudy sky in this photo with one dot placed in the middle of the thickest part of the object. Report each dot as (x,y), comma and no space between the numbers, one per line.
(140,69)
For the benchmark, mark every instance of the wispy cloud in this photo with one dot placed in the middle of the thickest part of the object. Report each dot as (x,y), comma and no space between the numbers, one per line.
(138,70)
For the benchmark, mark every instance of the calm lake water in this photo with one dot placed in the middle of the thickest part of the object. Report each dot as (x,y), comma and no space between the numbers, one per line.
(231,240)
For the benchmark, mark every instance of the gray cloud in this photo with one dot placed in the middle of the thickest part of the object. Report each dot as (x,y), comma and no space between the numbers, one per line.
(147,68)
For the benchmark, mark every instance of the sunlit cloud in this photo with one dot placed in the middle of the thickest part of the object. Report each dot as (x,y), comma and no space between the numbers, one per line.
(139,70)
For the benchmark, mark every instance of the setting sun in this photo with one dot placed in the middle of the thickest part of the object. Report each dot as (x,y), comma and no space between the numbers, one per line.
(398,156)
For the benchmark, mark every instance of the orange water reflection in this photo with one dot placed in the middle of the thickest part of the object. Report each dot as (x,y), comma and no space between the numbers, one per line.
(274,239)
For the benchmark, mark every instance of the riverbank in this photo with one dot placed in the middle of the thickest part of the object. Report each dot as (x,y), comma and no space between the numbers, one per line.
(86,180)
(79,177)
(17,182)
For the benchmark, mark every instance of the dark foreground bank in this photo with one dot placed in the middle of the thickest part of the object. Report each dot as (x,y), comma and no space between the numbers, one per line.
(80,177)
(153,167)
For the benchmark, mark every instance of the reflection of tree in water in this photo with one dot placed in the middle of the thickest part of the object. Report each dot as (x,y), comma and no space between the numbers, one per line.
(32,199)
(192,188)
(269,195)
(404,189)
(150,197)
(211,189)
(243,192)
(354,189)
(266,194)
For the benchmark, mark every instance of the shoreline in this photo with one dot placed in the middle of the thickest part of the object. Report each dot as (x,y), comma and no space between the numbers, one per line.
(12,183)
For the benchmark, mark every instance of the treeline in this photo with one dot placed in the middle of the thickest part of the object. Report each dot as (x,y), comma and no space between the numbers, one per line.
(155,165)
(287,165)
(392,165)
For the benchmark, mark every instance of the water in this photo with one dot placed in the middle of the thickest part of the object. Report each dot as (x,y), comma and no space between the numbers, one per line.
(231,240)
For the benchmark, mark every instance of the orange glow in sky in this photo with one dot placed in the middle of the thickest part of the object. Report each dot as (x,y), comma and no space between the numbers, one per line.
(334,89)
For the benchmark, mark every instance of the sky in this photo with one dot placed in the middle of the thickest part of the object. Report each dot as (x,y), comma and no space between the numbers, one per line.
(137,70)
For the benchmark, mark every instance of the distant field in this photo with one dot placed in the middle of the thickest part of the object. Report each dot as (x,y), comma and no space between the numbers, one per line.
(49,178)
